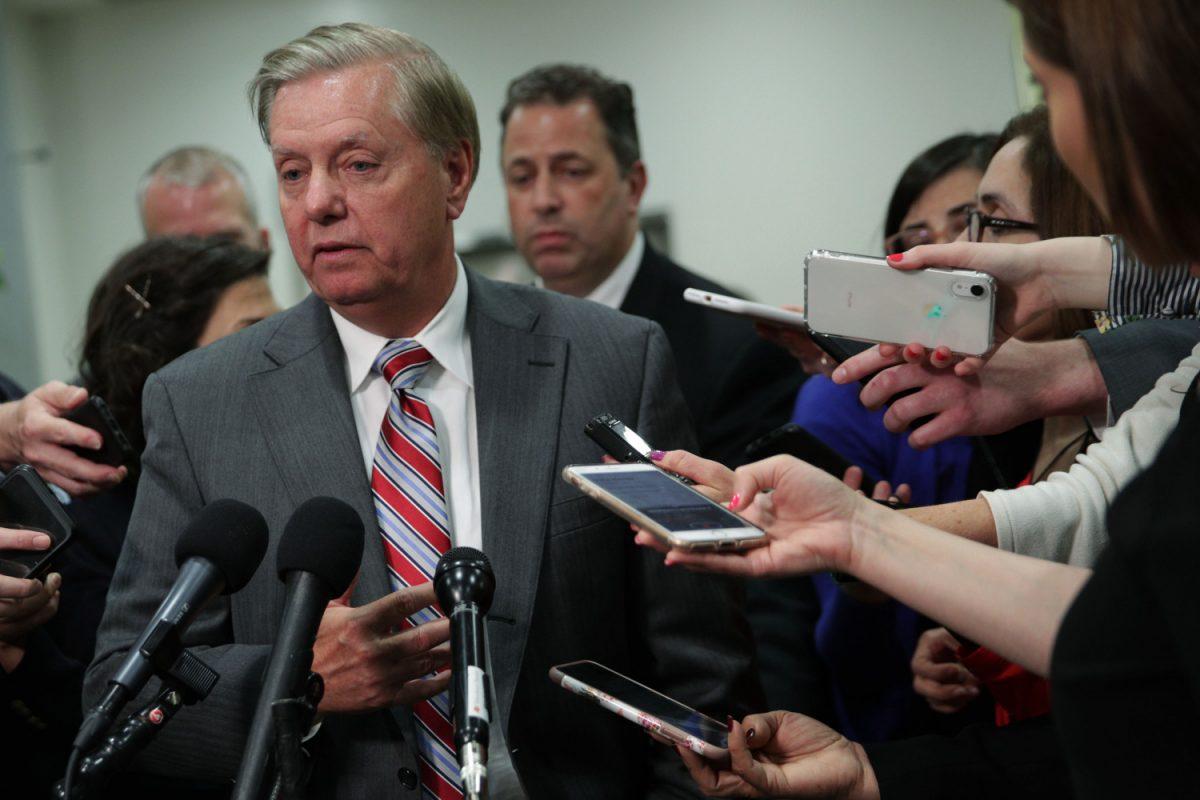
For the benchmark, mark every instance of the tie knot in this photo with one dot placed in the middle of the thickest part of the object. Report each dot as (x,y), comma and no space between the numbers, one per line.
(402,362)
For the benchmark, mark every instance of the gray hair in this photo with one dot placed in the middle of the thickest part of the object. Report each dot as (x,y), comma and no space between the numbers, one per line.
(196,166)
(430,99)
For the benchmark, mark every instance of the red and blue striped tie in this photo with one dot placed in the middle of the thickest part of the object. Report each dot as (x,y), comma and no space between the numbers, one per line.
(410,504)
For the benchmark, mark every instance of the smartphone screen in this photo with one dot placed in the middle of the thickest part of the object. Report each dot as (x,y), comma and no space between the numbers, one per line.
(664,499)
(648,701)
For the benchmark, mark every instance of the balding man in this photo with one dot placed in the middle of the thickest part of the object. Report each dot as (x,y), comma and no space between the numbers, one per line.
(198,191)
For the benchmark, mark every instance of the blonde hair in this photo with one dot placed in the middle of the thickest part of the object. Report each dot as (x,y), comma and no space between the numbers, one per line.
(430,99)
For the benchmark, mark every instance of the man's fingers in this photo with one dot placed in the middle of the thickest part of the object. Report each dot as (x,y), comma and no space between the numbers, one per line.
(418,641)
(944,426)
(390,611)
(44,427)
(969,366)
(904,493)
(14,539)
(422,689)
(892,381)
(944,692)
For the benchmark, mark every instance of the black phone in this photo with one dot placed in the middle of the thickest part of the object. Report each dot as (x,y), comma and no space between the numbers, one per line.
(622,442)
(793,440)
(116,449)
(837,348)
(26,502)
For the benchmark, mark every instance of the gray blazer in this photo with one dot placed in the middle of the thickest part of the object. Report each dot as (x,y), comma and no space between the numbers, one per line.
(264,417)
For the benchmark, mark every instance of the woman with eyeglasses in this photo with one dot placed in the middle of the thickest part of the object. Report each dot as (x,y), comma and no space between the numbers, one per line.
(1119,640)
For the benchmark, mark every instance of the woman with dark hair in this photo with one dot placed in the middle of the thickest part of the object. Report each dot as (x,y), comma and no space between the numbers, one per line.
(157,302)
(1119,641)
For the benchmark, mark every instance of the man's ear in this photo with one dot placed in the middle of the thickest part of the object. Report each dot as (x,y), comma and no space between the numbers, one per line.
(459,164)
(636,179)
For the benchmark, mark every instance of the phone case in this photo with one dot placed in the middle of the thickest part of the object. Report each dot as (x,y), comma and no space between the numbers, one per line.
(631,514)
(116,449)
(636,716)
(26,502)
(861,297)
(793,440)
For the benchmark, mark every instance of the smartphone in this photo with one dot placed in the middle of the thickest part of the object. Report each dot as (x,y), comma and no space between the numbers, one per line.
(115,449)
(656,502)
(622,442)
(643,706)
(26,502)
(861,297)
(759,312)
(793,440)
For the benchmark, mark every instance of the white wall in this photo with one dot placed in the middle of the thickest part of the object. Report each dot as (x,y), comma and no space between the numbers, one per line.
(769,128)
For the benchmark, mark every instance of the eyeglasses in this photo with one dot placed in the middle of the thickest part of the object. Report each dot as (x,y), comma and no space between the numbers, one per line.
(956,223)
(978,222)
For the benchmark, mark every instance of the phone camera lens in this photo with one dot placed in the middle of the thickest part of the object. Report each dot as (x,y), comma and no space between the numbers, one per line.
(977,290)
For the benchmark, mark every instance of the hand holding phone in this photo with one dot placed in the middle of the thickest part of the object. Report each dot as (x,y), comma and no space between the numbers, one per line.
(643,706)
(623,443)
(30,511)
(115,449)
(861,297)
(677,514)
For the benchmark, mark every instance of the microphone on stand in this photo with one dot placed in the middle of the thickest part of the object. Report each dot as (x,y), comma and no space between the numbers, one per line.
(218,552)
(464,585)
(319,555)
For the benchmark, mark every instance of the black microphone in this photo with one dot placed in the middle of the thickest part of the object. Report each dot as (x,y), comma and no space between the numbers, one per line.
(218,552)
(464,585)
(319,555)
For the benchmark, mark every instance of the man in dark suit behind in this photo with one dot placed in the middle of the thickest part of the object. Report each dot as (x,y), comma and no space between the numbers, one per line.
(374,141)
(574,176)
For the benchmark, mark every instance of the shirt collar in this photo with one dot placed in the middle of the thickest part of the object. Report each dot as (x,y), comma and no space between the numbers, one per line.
(445,337)
(612,290)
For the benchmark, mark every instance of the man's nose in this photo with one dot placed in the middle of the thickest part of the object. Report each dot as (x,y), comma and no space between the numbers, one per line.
(324,199)
(546,197)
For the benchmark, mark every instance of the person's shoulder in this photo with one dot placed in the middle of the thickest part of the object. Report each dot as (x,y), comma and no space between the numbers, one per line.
(238,353)
(555,314)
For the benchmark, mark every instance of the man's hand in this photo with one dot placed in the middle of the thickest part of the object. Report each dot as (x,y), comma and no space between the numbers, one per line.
(938,676)
(368,662)
(24,604)
(1022,381)
(33,431)
(783,754)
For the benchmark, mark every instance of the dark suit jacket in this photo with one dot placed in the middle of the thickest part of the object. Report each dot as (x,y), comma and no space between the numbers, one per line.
(264,417)
(736,385)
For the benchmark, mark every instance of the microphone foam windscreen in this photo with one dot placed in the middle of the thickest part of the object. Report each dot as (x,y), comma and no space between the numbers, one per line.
(324,537)
(230,534)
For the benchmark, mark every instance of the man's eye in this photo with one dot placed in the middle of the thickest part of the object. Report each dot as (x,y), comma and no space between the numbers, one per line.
(519,179)
(290,175)
(576,172)
(361,166)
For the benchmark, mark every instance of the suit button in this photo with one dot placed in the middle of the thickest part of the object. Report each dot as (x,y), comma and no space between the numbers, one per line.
(407,778)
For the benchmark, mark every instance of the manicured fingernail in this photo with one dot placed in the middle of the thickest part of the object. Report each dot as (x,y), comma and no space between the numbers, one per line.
(839,375)
(734,501)
(729,722)
(657,455)
(750,735)
(896,258)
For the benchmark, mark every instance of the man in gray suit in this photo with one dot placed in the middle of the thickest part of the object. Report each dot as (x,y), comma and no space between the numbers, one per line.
(375,145)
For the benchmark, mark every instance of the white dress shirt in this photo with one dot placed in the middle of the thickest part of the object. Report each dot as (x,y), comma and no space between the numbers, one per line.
(447,386)
(612,290)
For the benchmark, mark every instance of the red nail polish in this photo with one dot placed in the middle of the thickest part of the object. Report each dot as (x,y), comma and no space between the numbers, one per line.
(729,722)
(733,501)
(896,258)
(750,735)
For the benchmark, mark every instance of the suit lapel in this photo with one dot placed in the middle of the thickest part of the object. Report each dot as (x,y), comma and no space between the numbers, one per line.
(303,406)
(519,379)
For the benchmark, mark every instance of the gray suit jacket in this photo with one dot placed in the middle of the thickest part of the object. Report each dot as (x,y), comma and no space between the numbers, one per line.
(264,417)
(1135,355)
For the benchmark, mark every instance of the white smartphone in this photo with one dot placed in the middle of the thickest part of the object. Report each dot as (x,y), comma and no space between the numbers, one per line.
(760,312)
(660,504)
(643,706)
(861,297)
